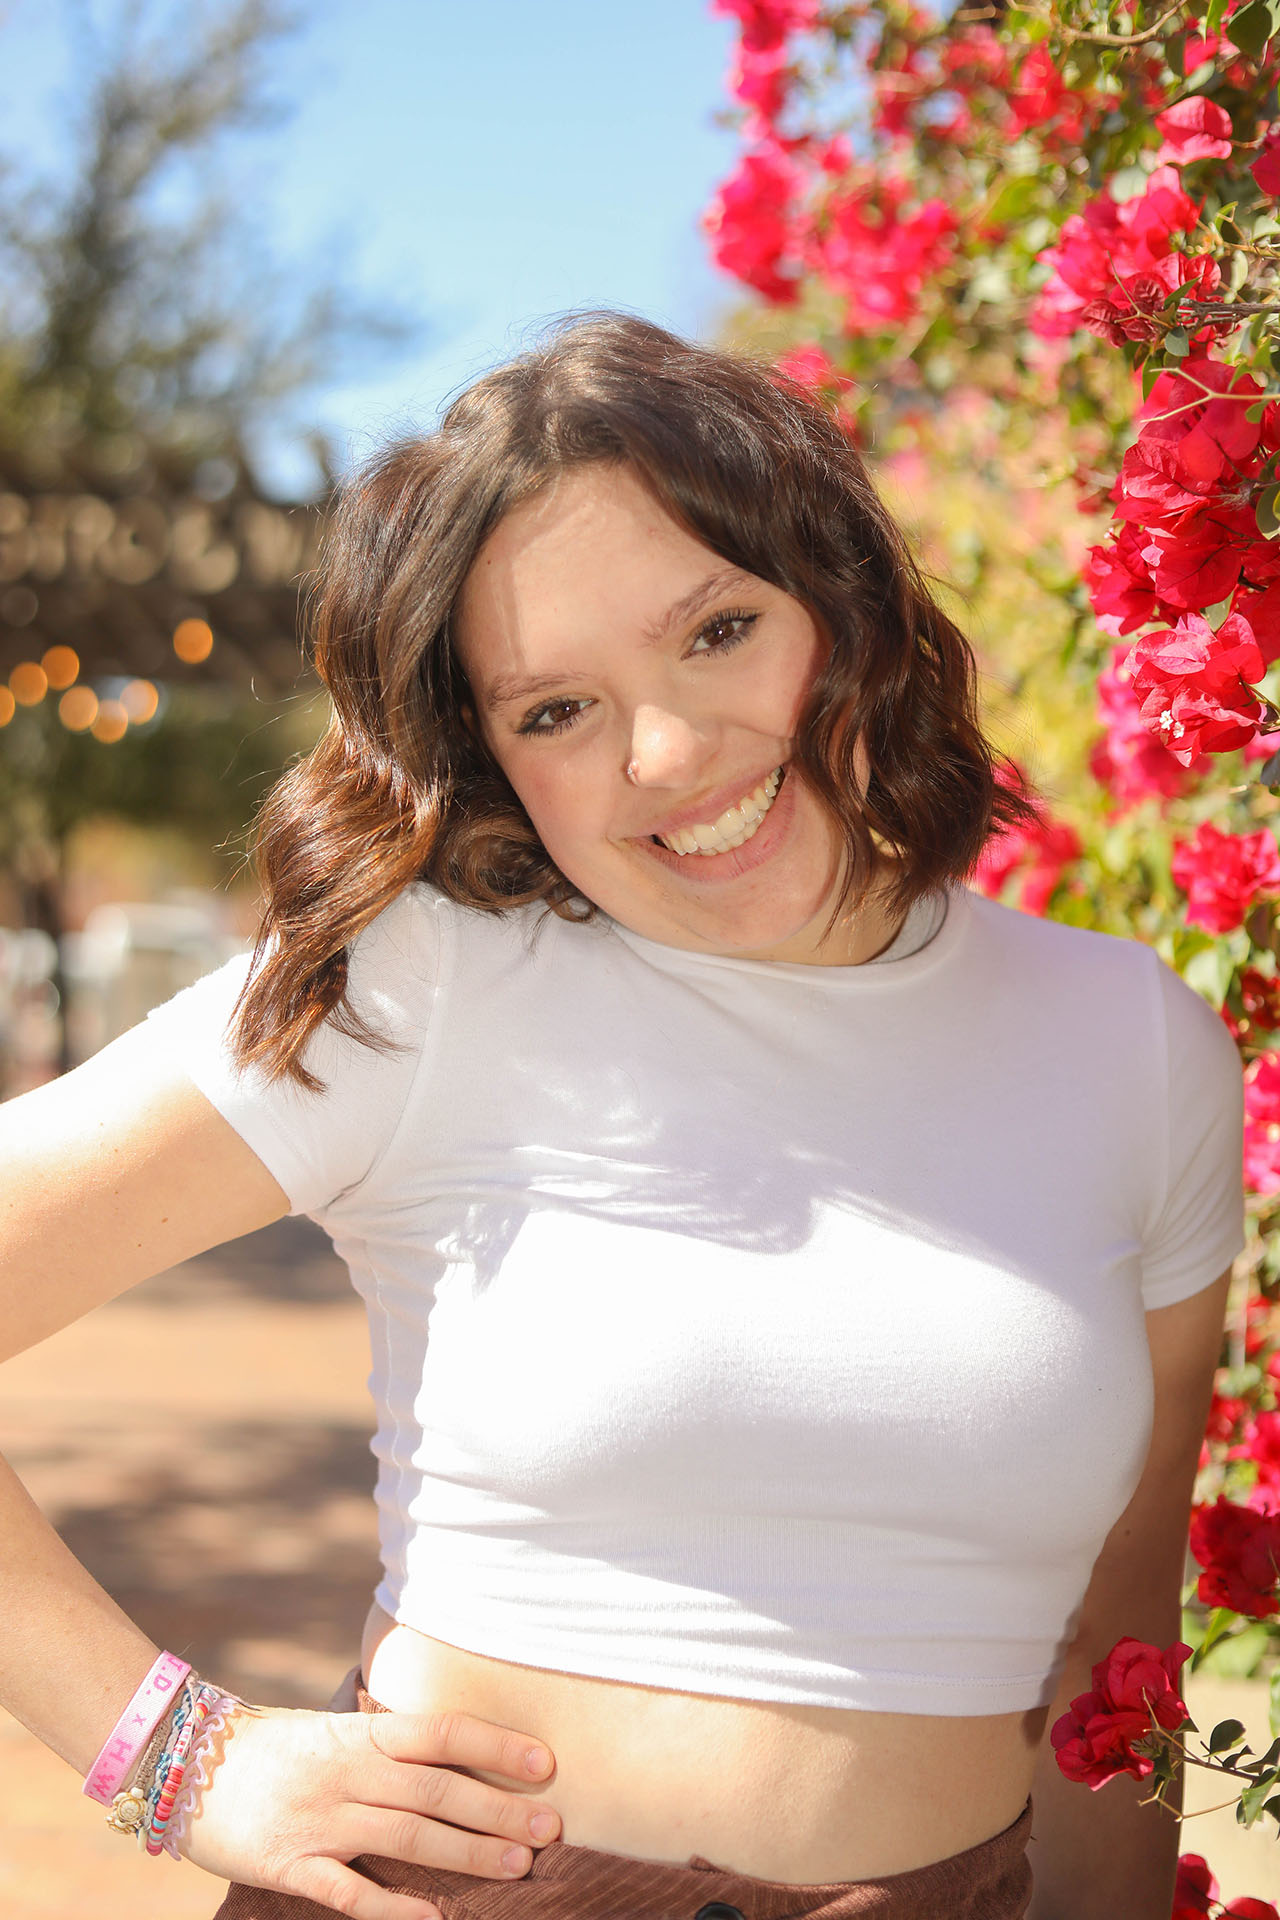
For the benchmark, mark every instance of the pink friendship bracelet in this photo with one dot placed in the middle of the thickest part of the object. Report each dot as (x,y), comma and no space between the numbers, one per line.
(135,1727)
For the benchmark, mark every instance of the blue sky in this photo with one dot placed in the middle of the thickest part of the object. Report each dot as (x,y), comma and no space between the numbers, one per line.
(484,163)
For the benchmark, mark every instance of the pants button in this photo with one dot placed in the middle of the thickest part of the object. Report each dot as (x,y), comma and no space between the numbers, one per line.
(719,1910)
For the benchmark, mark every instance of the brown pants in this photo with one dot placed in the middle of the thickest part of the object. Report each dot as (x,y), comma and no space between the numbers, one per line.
(991,1881)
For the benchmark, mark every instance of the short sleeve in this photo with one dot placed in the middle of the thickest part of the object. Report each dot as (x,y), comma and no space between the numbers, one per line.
(1197,1227)
(319,1146)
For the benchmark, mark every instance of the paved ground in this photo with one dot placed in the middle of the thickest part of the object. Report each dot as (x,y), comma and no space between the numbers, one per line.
(202,1446)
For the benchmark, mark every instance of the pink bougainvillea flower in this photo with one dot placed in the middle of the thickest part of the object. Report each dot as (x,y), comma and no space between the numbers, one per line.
(1266,168)
(1194,129)
(1195,685)
(752,223)
(878,254)
(1038,855)
(765,24)
(1222,874)
(1127,761)
(761,80)
(1196,1891)
(1262,1123)
(1239,1550)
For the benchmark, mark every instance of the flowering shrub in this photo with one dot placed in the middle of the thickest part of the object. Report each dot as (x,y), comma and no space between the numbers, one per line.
(1035,268)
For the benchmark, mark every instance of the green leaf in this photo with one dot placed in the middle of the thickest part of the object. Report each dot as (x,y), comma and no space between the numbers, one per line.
(1218,1624)
(1238,272)
(1273,1808)
(1254,413)
(1227,1733)
(1265,515)
(1270,777)
(1150,374)
(1252,1802)
(1252,27)
(1015,198)
(1269,1758)
(1213,15)
(1177,343)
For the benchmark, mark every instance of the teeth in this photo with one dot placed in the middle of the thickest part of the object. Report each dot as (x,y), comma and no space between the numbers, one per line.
(735,826)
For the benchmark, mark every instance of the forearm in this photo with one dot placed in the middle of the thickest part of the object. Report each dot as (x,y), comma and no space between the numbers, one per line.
(1098,1854)
(70,1659)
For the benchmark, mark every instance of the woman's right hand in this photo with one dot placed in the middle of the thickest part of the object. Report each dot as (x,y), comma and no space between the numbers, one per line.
(295,1795)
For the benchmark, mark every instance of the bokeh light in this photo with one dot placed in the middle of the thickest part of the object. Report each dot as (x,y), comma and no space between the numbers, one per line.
(140,700)
(111,722)
(61,665)
(193,641)
(28,683)
(78,709)
(8,706)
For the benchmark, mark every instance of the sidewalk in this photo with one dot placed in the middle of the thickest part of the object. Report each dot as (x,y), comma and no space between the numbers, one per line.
(202,1445)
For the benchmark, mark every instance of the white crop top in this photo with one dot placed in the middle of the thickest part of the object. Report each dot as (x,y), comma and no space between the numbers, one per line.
(755,1329)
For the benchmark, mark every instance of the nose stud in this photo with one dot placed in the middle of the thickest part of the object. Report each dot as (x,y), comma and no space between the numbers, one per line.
(633,771)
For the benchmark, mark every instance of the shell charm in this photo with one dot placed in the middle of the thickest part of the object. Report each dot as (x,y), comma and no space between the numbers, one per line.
(128,1811)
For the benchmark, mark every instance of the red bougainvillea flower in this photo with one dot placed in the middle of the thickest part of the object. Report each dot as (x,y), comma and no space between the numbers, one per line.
(1260,999)
(810,366)
(765,24)
(752,223)
(1194,685)
(1136,1675)
(1261,1444)
(1134,1687)
(1039,97)
(1100,251)
(1222,874)
(1194,129)
(1196,1890)
(1249,1909)
(1239,1550)
(1119,585)
(1225,1413)
(1266,168)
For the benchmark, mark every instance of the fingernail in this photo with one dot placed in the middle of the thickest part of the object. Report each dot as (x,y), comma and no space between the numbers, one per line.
(542,1825)
(516,1860)
(537,1759)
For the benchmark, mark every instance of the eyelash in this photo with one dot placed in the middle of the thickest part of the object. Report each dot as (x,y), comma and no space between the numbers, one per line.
(728,616)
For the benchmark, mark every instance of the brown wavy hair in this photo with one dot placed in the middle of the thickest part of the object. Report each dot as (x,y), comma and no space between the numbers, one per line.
(399,789)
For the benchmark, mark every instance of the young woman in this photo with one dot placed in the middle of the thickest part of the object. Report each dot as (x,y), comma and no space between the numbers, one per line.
(794,1281)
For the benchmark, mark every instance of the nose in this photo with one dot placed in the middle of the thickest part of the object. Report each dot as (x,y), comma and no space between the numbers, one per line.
(667,749)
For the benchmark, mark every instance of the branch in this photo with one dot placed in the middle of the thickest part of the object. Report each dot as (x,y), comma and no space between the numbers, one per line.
(975,15)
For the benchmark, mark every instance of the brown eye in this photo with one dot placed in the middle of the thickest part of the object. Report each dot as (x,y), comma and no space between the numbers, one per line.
(724,630)
(552,717)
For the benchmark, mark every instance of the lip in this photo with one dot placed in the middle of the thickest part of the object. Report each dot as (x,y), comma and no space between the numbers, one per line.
(712,806)
(708,869)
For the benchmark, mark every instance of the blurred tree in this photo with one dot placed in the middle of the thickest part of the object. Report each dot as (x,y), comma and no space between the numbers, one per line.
(147,342)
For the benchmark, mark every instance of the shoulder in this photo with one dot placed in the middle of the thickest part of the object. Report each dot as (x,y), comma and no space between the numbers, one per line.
(1057,961)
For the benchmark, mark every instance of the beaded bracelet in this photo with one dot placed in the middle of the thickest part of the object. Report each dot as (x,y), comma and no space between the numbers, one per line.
(130,1807)
(173,1778)
(196,1776)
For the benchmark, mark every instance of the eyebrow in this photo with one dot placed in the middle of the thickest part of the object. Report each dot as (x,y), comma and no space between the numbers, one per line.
(509,686)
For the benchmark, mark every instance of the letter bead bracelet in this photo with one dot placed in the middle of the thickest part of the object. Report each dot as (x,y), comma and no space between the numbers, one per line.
(150,1772)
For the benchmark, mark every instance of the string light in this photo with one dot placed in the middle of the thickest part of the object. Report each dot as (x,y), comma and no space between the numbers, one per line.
(78,709)
(61,666)
(8,706)
(140,700)
(193,641)
(111,722)
(28,683)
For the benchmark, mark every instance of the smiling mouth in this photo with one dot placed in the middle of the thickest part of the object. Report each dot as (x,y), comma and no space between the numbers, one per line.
(733,828)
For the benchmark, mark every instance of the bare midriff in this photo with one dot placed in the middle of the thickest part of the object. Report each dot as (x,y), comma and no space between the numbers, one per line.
(791,1793)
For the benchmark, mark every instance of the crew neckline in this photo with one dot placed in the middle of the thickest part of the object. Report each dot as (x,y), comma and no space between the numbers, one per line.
(864,976)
